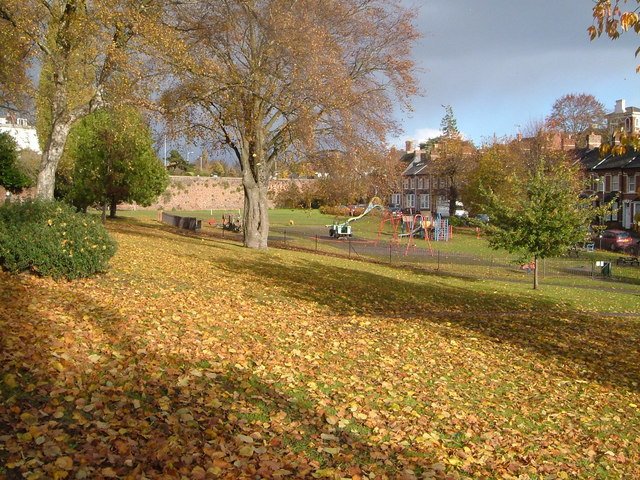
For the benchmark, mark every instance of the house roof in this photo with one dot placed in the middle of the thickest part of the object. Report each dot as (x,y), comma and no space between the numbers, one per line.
(415,168)
(635,163)
(409,157)
(589,158)
(611,162)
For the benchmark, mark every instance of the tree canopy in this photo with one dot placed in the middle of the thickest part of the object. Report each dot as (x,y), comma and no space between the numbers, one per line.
(576,113)
(86,52)
(114,161)
(452,157)
(449,124)
(11,176)
(543,215)
(267,78)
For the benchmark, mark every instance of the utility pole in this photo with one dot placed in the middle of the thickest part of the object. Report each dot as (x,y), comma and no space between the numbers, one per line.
(165,151)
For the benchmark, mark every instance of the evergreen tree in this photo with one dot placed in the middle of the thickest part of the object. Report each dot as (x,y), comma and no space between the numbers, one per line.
(449,124)
(11,177)
(114,161)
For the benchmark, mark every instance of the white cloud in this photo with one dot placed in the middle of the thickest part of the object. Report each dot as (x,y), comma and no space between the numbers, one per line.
(424,134)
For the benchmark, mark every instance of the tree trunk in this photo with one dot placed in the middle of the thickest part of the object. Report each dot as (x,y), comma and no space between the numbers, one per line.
(256,216)
(453,198)
(104,211)
(535,273)
(113,206)
(50,159)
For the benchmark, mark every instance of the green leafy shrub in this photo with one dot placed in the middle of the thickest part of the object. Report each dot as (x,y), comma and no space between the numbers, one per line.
(51,239)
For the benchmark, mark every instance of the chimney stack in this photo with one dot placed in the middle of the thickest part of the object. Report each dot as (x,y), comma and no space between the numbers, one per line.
(409,146)
(568,142)
(620,106)
(594,141)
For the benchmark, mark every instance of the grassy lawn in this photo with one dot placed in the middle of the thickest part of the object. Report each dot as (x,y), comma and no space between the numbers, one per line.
(195,358)
(278,217)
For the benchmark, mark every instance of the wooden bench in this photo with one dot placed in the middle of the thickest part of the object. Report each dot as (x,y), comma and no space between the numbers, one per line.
(628,261)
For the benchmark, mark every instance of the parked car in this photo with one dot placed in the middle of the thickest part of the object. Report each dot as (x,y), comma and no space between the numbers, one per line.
(615,240)
(395,211)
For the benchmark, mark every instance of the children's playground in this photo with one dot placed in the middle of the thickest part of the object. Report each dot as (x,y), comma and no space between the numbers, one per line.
(421,240)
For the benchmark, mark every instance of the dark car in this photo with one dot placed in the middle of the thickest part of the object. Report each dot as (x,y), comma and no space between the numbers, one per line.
(395,211)
(615,240)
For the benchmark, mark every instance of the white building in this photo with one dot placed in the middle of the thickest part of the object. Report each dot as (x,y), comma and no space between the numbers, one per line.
(624,119)
(24,135)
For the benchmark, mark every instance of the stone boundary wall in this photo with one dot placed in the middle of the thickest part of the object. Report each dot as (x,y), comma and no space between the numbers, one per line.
(204,193)
(197,193)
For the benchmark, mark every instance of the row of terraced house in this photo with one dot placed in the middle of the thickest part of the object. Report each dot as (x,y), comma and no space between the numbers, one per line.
(614,176)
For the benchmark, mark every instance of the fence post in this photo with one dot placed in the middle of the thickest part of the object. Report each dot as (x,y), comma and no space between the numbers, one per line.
(438,268)
(390,252)
(316,243)
(349,247)
(285,237)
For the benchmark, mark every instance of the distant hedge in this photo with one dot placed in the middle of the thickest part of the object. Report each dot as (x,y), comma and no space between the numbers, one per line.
(52,239)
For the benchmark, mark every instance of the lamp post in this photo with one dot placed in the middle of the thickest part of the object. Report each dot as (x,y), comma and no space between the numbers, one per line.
(188,153)
(601,180)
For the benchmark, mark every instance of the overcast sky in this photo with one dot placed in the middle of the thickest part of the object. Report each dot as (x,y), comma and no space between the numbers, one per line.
(502,63)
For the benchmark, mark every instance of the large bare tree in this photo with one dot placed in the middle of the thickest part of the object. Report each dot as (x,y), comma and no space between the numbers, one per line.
(82,47)
(576,113)
(266,77)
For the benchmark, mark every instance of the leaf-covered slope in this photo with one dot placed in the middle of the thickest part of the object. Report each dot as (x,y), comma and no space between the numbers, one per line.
(200,359)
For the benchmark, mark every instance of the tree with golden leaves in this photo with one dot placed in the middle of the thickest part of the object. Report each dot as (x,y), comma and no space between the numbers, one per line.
(84,48)
(452,157)
(272,78)
(613,17)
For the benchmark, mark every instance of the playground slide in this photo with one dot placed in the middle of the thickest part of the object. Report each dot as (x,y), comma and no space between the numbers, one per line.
(370,207)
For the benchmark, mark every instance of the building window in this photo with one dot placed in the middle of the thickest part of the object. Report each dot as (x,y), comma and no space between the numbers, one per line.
(405,184)
(420,183)
(411,200)
(631,184)
(395,199)
(615,183)
(424,201)
(443,182)
(612,217)
(412,182)
(607,183)
(426,183)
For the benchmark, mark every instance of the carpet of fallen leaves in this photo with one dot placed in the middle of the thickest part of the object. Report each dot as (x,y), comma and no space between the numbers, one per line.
(194,358)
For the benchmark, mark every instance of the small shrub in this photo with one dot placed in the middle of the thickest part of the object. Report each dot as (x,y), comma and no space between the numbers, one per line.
(339,211)
(51,239)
